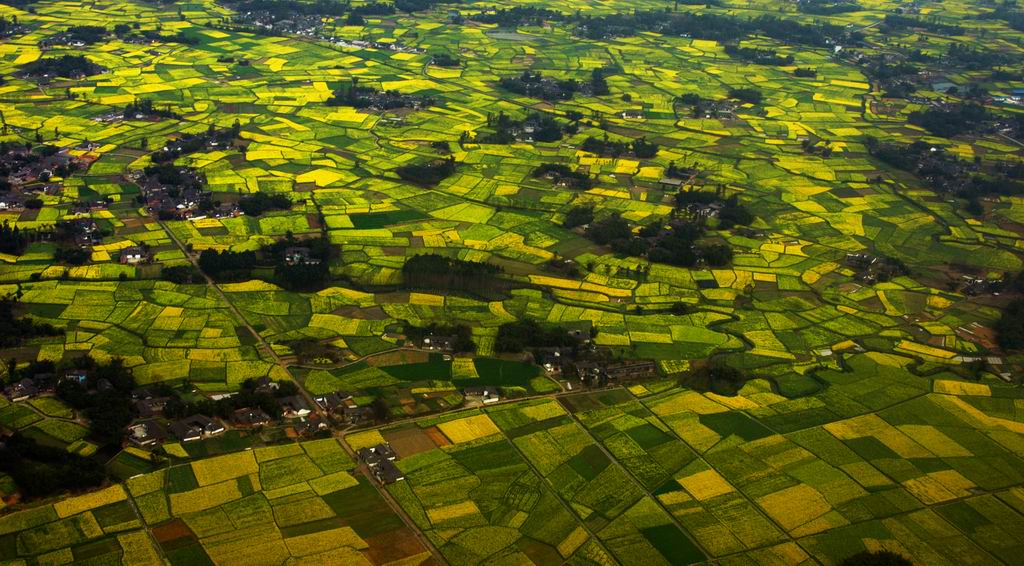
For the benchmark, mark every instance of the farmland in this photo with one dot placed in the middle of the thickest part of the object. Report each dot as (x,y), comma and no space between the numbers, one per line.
(265,506)
(623,282)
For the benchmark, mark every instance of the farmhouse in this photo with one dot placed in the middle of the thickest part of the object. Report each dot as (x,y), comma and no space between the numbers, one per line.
(147,433)
(439,343)
(248,417)
(196,427)
(357,415)
(331,402)
(293,406)
(484,394)
(133,255)
(380,460)
(21,390)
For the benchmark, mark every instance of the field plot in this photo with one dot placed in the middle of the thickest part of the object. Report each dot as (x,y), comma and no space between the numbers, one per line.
(266,506)
(470,491)
(626,520)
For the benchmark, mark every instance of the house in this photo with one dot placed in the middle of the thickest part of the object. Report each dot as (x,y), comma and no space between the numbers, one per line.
(356,415)
(196,427)
(264,385)
(151,407)
(146,433)
(633,114)
(439,343)
(21,390)
(485,394)
(631,369)
(310,426)
(293,406)
(387,472)
(45,382)
(330,402)
(132,255)
(373,456)
(79,376)
(250,417)
(141,393)
(299,256)
(553,359)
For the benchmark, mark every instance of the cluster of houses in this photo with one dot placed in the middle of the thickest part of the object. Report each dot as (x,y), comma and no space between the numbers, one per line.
(871,269)
(46,384)
(341,405)
(601,373)
(380,459)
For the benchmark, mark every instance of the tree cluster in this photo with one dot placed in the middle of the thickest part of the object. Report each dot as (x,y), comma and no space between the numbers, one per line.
(605,147)
(365,97)
(43,471)
(758,55)
(748,94)
(519,16)
(437,272)
(900,22)
(15,329)
(227,265)
(952,119)
(258,203)
(109,410)
(514,337)
(427,174)
(827,7)
(545,128)
(463,334)
(946,173)
(145,107)
(70,66)
(715,378)
(563,174)
(536,85)
(712,26)
(249,396)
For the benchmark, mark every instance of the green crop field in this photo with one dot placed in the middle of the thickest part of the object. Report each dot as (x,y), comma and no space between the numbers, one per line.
(730,280)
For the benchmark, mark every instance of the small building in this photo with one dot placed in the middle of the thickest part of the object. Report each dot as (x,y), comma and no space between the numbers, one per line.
(311,425)
(146,433)
(151,407)
(293,406)
(373,456)
(357,415)
(79,376)
(45,383)
(300,256)
(485,394)
(331,402)
(439,343)
(250,417)
(132,255)
(631,369)
(633,114)
(387,472)
(196,427)
(22,390)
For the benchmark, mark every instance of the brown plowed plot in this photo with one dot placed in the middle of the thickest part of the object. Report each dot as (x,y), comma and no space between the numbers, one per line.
(409,441)
(172,531)
(362,313)
(396,545)
(437,436)
(398,358)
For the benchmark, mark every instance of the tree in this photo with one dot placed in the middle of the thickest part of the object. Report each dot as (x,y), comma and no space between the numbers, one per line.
(578,216)
(876,558)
